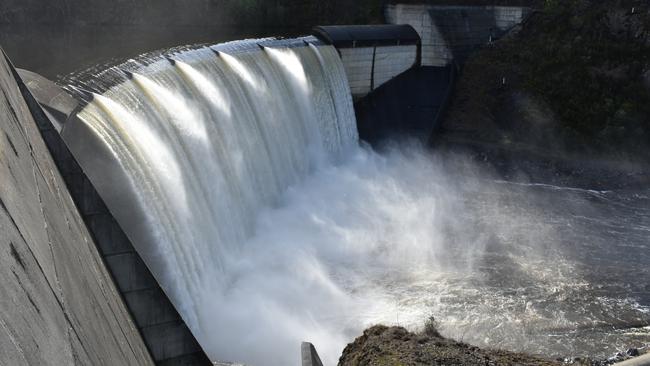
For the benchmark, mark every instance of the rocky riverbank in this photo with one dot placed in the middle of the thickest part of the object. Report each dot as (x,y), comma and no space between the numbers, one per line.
(563,100)
(395,346)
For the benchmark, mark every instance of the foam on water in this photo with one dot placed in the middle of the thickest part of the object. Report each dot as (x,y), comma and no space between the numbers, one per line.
(267,224)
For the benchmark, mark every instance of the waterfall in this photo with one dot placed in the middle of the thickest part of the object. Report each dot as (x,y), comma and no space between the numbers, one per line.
(236,172)
(206,138)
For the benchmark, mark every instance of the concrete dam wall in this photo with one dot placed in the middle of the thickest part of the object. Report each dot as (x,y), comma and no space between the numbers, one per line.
(452,33)
(372,55)
(59,305)
(164,333)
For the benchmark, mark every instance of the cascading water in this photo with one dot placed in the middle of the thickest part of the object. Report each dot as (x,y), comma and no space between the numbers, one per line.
(237,173)
(211,137)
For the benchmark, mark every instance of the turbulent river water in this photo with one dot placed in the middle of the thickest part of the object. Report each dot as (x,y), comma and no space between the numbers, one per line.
(268,223)
(397,237)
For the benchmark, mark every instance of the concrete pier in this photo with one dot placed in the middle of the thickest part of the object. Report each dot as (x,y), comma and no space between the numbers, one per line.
(59,305)
(309,355)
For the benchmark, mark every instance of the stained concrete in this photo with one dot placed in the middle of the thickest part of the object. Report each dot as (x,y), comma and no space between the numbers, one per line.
(166,336)
(309,355)
(367,68)
(451,33)
(56,104)
(59,305)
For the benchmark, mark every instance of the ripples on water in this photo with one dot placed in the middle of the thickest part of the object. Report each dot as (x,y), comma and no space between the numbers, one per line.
(397,237)
(564,271)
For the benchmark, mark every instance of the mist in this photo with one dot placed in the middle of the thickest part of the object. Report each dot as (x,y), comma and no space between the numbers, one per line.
(395,237)
(356,243)
(274,226)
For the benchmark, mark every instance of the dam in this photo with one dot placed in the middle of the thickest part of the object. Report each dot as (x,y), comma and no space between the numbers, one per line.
(228,82)
(222,203)
(245,162)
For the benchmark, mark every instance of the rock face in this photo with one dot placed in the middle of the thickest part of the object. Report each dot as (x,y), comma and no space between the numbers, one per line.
(388,346)
(58,304)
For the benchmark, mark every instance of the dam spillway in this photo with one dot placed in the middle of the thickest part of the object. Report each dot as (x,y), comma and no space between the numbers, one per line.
(193,145)
(319,236)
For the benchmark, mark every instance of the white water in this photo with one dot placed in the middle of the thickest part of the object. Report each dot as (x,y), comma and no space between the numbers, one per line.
(331,259)
(208,142)
(271,225)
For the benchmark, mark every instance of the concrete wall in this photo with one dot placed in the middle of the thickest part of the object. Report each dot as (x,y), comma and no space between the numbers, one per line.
(389,61)
(434,48)
(165,334)
(408,105)
(309,355)
(392,61)
(59,305)
(454,32)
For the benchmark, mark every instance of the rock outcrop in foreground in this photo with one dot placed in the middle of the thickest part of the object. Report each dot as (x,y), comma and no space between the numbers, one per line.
(395,346)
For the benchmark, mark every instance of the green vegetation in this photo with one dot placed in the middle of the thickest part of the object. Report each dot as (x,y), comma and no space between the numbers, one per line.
(431,327)
(588,61)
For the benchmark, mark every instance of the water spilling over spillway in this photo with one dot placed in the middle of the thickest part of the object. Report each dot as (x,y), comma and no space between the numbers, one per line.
(208,139)
(237,173)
